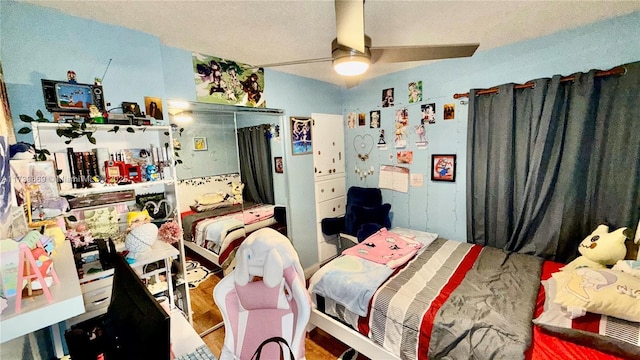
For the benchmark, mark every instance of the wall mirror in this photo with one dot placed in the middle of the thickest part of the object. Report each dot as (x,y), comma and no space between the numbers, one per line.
(230,183)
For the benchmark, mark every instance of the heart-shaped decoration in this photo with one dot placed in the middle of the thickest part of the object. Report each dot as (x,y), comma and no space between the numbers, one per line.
(363,144)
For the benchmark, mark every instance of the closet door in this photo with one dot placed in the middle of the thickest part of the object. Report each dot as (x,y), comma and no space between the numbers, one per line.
(328,145)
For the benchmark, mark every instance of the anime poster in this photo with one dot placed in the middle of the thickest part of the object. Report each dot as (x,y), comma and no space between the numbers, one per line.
(449,111)
(401,123)
(415,91)
(428,113)
(223,81)
(301,135)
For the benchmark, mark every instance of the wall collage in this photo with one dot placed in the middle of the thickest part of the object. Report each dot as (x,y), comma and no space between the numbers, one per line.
(442,166)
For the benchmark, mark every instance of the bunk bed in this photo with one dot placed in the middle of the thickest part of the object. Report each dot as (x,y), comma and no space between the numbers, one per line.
(449,300)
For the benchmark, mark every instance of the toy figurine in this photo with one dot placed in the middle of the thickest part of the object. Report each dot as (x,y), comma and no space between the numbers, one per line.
(381,139)
(152,173)
(71,77)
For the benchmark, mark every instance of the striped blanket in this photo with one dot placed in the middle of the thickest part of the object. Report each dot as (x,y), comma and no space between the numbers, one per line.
(454,300)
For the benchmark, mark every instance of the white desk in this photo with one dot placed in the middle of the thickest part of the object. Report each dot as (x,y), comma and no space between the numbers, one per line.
(37,312)
(184,338)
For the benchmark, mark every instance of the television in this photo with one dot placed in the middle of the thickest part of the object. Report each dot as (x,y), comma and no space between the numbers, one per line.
(66,97)
(135,325)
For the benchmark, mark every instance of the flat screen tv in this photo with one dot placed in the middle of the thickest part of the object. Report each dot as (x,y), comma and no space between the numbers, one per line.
(62,96)
(137,327)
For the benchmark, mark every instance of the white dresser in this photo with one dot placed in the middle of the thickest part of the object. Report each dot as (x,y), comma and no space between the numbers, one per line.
(330,184)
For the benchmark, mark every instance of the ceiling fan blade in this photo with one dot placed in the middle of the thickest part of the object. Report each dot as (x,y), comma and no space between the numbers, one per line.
(350,23)
(286,63)
(391,54)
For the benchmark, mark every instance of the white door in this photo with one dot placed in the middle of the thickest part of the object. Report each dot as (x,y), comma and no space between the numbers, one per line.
(328,145)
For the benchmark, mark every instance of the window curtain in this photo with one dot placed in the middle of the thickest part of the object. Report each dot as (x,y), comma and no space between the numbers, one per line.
(254,149)
(546,165)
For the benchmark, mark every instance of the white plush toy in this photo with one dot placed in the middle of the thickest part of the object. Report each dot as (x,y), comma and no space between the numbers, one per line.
(600,249)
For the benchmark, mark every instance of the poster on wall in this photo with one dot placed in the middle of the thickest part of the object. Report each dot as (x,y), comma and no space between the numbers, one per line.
(301,135)
(227,82)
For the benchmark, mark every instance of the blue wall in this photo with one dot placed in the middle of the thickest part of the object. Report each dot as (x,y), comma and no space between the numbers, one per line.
(439,206)
(42,43)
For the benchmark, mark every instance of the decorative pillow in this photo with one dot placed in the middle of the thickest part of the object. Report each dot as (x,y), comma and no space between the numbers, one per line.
(210,198)
(201,208)
(376,214)
(628,266)
(609,334)
(600,291)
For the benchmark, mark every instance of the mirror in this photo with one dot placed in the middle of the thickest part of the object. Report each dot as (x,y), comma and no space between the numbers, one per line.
(228,187)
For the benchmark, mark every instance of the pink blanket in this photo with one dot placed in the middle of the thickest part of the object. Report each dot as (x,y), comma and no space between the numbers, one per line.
(386,248)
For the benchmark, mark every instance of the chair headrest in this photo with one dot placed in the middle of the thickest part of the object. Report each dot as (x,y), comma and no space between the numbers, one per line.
(266,253)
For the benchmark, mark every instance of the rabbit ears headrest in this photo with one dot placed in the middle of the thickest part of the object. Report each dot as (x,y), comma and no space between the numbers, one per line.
(265,253)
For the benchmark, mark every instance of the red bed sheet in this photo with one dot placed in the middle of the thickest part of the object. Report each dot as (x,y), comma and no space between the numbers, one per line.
(549,347)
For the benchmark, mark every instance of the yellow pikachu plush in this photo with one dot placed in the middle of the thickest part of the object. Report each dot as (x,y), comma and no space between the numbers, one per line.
(599,249)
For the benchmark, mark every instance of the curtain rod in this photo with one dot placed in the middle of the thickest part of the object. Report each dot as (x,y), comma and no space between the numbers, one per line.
(615,71)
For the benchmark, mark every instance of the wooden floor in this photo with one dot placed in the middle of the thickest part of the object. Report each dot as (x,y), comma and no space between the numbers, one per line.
(319,344)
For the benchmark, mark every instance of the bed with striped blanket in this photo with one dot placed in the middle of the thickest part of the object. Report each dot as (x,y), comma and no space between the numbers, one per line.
(453,300)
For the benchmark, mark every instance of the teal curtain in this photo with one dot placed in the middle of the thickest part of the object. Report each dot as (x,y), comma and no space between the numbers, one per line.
(254,149)
(546,165)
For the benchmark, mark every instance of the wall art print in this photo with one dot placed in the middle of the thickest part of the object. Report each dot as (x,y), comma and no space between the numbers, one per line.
(443,167)
(301,135)
(227,82)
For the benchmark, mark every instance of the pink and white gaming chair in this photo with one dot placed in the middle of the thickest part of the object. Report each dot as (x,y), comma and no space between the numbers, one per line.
(276,306)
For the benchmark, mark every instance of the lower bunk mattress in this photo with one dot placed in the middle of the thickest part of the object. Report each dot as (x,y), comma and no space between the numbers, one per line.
(452,300)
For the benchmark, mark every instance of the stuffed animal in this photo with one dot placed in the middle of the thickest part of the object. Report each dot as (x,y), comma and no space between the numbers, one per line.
(599,249)
(236,190)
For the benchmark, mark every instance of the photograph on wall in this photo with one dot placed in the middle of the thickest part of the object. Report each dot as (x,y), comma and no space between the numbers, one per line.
(227,82)
(200,143)
(278,164)
(443,167)
(301,135)
(387,97)
(153,107)
(405,157)
(351,120)
(374,119)
(362,119)
(449,111)
(428,113)
(402,120)
(415,91)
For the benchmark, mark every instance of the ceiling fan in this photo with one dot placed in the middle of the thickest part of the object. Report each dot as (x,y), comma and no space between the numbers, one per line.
(352,53)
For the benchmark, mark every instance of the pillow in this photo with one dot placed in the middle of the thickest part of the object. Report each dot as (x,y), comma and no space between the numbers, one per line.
(210,198)
(600,291)
(375,214)
(628,266)
(608,334)
(201,208)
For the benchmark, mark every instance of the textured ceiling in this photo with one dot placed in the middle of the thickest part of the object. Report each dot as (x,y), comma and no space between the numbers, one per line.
(264,32)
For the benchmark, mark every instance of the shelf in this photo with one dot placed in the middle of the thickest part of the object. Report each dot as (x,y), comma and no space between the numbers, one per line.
(109,188)
(103,127)
(37,312)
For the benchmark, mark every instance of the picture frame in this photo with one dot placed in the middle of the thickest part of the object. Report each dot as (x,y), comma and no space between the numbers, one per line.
(443,167)
(200,143)
(301,138)
(278,164)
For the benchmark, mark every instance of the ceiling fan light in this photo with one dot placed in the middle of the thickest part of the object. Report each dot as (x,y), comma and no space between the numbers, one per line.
(351,65)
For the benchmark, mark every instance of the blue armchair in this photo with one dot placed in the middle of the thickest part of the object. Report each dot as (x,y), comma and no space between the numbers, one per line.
(364,215)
